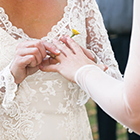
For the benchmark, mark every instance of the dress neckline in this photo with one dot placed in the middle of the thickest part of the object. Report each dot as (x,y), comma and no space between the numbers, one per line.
(11,29)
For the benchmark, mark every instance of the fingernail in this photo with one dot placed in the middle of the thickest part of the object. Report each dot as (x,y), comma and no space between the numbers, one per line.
(104,67)
(57,51)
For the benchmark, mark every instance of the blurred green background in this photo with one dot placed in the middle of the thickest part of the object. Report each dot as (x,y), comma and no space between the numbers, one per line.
(91,109)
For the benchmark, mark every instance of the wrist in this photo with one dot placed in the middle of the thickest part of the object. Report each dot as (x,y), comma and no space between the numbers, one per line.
(13,72)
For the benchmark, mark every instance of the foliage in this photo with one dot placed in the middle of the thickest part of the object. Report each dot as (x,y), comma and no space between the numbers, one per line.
(91,109)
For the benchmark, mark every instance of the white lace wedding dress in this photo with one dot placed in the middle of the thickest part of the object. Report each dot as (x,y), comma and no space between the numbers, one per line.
(46,106)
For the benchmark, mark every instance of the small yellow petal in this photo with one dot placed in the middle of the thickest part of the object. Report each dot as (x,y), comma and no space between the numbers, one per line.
(75,32)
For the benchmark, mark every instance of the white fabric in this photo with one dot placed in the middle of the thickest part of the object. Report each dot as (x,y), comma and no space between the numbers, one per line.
(120,99)
(46,105)
(9,85)
(106,91)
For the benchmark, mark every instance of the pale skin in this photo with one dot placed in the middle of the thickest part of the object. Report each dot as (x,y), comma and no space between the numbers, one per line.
(126,102)
(36,19)
(36,22)
(76,56)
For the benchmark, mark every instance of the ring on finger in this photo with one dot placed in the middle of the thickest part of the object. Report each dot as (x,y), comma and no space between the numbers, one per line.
(54,56)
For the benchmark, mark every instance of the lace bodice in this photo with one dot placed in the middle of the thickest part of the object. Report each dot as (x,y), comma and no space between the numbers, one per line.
(46,105)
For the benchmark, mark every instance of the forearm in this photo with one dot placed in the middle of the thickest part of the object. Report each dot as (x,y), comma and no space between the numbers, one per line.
(109,93)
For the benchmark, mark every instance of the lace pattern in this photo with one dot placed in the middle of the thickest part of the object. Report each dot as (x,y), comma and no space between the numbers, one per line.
(7,26)
(7,82)
(97,39)
(20,123)
(70,108)
(50,90)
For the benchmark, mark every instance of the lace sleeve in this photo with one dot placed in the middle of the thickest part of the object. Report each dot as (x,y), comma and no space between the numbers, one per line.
(97,38)
(7,87)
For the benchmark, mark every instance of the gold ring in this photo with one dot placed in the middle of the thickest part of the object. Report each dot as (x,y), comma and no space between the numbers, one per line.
(53,56)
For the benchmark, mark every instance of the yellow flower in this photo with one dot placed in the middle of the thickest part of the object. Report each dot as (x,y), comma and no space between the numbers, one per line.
(74,32)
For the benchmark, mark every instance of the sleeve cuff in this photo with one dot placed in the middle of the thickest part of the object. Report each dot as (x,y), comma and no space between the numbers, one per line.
(10,87)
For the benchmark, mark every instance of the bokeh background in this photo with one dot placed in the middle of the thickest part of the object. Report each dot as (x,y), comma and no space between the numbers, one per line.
(91,110)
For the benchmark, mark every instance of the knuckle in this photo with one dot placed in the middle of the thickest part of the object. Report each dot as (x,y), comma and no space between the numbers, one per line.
(22,62)
(63,46)
(74,44)
(19,45)
(35,51)
(24,44)
(44,55)
(39,61)
(38,43)
(28,44)
(32,58)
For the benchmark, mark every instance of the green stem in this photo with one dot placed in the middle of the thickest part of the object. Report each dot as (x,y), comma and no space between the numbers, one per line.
(72,35)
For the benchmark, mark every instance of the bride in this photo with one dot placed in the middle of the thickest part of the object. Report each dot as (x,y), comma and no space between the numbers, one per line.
(38,105)
(120,99)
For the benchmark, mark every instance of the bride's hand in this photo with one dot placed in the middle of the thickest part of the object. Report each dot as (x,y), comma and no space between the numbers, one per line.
(86,51)
(28,57)
(70,59)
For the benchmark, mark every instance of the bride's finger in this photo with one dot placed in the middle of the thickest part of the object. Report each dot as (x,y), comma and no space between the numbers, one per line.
(57,58)
(48,61)
(50,48)
(73,45)
(49,68)
(89,54)
(60,57)
(64,40)
(85,51)
(62,47)
(102,67)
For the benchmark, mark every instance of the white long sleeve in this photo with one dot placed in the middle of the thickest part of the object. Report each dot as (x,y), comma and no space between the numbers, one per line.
(108,93)
(120,99)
